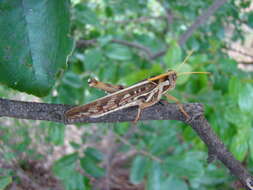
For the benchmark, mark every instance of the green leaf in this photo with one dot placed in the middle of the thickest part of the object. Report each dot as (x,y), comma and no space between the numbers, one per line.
(75,182)
(90,166)
(104,40)
(250,19)
(142,74)
(173,55)
(4,182)
(213,176)
(221,82)
(184,165)
(93,59)
(31,57)
(86,15)
(56,133)
(160,144)
(234,86)
(65,165)
(183,68)
(94,154)
(118,52)
(138,169)
(231,114)
(250,142)
(245,99)
(229,66)
(239,145)
(75,145)
(174,183)
(65,170)
(73,80)
(154,178)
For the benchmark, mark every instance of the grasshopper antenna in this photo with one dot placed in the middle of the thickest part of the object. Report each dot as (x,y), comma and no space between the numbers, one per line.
(186,59)
(187,73)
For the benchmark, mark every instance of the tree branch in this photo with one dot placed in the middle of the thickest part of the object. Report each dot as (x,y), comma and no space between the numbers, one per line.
(138,20)
(134,45)
(200,20)
(169,16)
(160,111)
(87,43)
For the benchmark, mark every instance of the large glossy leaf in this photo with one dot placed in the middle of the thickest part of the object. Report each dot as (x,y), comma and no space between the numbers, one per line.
(34,43)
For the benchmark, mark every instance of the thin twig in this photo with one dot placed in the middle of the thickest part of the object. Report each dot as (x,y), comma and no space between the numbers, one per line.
(200,20)
(134,45)
(138,20)
(240,52)
(87,43)
(110,141)
(169,16)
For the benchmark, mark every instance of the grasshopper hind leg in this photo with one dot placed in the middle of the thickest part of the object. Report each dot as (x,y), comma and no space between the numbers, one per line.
(109,88)
(181,108)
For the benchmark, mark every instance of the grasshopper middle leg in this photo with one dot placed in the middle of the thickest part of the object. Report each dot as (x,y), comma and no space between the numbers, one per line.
(143,106)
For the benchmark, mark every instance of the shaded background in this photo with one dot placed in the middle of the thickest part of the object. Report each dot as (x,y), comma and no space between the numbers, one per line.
(122,42)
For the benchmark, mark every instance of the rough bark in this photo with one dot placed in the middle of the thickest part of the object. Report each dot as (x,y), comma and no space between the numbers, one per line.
(160,111)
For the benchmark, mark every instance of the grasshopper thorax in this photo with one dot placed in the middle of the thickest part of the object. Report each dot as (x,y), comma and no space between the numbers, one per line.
(168,79)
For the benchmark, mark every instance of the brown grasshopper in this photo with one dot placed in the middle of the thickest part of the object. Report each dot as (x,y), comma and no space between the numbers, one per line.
(142,94)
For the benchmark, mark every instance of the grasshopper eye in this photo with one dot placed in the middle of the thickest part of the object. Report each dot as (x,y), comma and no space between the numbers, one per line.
(175,76)
(92,82)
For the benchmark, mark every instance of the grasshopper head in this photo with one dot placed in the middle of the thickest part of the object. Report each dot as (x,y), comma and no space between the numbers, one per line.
(168,79)
(92,82)
(171,78)
(172,75)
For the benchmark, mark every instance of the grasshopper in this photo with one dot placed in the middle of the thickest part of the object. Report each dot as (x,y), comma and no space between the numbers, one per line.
(142,94)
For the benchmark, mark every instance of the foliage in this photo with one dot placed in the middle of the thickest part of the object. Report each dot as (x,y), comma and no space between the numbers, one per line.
(175,156)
